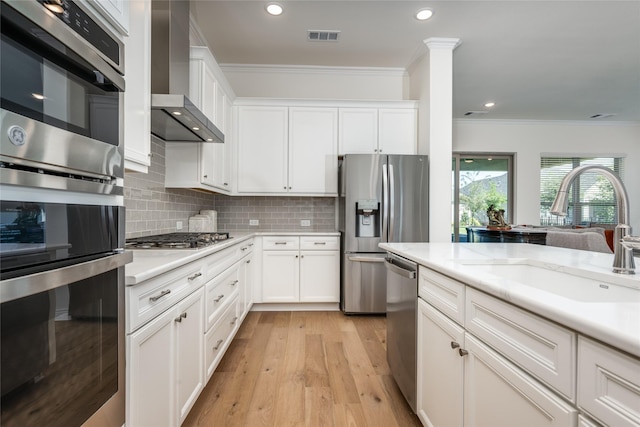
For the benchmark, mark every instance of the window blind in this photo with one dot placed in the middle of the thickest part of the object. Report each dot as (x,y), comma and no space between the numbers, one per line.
(591,197)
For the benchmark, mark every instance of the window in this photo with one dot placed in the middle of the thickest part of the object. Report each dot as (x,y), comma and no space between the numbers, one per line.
(479,180)
(591,197)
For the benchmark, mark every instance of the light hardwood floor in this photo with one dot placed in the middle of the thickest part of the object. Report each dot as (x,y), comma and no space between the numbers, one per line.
(304,369)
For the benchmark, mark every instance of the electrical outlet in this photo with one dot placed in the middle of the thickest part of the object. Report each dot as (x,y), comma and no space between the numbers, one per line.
(254,222)
(305,223)
(178,225)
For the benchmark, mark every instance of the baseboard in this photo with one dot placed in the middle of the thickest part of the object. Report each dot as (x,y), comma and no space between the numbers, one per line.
(296,306)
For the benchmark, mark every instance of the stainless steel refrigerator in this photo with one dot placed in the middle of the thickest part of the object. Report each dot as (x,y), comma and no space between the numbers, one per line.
(383,198)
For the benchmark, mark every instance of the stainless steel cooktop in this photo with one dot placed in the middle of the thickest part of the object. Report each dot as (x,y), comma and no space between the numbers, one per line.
(177,240)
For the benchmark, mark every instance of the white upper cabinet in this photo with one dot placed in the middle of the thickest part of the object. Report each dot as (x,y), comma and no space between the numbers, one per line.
(398,130)
(116,12)
(205,166)
(137,97)
(313,150)
(358,130)
(378,130)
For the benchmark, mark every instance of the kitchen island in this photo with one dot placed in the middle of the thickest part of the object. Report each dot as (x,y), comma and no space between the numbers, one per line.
(520,333)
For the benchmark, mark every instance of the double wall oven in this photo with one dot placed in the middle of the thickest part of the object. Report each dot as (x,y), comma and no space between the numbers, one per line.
(62,219)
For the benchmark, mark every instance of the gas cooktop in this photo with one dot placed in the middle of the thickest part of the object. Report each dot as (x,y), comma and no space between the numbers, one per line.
(176,241)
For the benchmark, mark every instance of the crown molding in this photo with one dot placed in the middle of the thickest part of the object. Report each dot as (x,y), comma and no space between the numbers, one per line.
(313,69)
(449,43)
(522,122)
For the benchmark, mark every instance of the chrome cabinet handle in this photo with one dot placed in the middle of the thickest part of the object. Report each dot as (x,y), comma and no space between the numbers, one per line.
(454,344)
(195,276)
(319,243)
(234,282)
(225,183)
(244,249)
(162,294)
(248,261)
(462,352)
(179,318)
(219,298)
(235,319)
(280,243)
(250,244)
(217,346)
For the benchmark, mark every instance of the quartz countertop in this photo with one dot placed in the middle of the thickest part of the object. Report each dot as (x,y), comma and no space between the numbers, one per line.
(615,322)
(148,263)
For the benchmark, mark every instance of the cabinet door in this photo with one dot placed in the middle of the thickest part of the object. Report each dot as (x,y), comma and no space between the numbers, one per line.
(313,150)
(397,130)
(262,150)
(320,276)
(358,130)
(150,373)
(280,276)
(189,324)
(117,13)
(246,284)
(137,97)
(499,394)
(440,368)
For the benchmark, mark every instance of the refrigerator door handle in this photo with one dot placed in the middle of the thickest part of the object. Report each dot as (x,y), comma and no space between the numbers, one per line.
(385,203)
(392,204)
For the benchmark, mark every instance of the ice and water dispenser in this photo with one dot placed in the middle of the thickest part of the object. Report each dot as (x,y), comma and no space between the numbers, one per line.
(368,218)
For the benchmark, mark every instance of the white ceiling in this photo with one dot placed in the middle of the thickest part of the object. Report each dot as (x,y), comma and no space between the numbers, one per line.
(537,59)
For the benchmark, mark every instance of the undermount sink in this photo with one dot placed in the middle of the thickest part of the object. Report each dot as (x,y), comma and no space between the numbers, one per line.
(546,277)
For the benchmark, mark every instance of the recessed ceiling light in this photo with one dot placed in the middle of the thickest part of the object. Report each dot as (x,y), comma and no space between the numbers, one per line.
(38,96)
(424,14)
(195,128)
(177,113)
(489,104)
(274,9)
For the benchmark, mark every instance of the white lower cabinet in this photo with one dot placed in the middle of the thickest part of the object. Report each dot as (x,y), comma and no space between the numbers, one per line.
(300,269)
(167,373)
(462,381)
(608,384)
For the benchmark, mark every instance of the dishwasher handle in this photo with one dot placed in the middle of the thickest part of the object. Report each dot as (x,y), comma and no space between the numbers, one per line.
(409,274)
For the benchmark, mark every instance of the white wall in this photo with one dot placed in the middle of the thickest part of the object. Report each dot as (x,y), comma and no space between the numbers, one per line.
(419,90)
(317,82)
(529,140)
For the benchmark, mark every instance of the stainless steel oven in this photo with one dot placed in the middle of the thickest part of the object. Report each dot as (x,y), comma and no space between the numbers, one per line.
(62,314)
(62,99)
(62,220)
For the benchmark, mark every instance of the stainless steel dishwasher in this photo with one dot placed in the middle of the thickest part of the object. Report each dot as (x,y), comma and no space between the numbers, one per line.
(402,305)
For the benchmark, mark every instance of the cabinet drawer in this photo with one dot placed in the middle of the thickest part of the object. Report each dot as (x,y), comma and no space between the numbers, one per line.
(149,299)
(542,348)
(311,243)
(608,384)
(246,247)
(219,292)
(219,261)
(218,337)
(280,242)
(442,292)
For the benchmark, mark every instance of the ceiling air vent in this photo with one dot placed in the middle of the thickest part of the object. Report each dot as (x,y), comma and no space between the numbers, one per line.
(475,113)
(322,36)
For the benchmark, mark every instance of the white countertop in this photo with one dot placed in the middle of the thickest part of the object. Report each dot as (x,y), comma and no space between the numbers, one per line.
(148,263)
(616,323)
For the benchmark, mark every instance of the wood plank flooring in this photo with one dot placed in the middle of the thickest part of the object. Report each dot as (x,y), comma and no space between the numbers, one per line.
(304,369)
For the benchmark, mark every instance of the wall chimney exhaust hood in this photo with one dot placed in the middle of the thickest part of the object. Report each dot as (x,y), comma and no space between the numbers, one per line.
(173,117)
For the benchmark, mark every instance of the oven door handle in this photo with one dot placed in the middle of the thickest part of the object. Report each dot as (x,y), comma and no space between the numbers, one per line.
(19,287)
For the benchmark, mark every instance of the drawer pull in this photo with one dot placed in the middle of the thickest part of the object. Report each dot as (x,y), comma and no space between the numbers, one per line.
(280,243)
(162,294)
(250,244)
(195,276)
(219,298)
(462,352)
(179,318)
(244,249)
(319,243)
(454,344)
(218,344)
(248,261)
(235,282)
(235,319)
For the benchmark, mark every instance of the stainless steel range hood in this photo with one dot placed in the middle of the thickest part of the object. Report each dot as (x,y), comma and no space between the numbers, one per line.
(173,117)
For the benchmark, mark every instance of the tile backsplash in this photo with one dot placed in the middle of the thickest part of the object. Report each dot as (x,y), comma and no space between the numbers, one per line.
(154,209)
